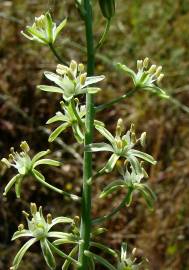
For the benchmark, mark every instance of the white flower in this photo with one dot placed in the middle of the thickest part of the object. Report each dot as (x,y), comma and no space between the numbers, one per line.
(71,81)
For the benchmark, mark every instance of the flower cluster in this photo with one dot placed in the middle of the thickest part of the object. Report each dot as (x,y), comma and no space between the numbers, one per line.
(131,181)
(44,30)
(71,81)
(39,229)
(121,146)
(73,117)
(25,165)
(128,262)
(146,78)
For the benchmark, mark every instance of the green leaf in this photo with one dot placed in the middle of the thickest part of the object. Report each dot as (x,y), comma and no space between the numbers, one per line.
(52,89)
(143,156)
(21,253)
(47,254)
(11,183)
(60,27)
(46,161)
(57,132)
(40,155)
(98,147)
(99,260)
(115,185)
(105,133)
(23,233)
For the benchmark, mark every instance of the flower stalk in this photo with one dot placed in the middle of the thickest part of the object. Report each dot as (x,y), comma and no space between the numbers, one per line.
(85,227)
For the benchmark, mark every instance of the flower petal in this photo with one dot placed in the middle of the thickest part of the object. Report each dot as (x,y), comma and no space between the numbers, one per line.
(21,252)
(48,88)
(46,161)
(23,233)
(57,132)
(47,254)
(11,183)
(93,79)
(98,147)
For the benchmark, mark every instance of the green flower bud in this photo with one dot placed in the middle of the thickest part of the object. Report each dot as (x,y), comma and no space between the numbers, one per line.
(21,227)
(83,78)
(24,146)
(33,208)
(49,218)
(107,8)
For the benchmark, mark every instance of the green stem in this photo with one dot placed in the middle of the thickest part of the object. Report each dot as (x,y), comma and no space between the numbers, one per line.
(85,227)
(60,191)
(114,101)
(52,48)
(114,211)
(104,35)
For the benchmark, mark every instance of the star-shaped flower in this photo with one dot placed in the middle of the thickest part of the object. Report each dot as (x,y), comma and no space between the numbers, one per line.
(146,78)
(73,117)
(71,81)
(121,146)
(131,181)
(44,30)
(25,165)
(39,230)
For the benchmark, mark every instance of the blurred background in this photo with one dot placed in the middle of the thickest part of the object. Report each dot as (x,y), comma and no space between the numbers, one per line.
(154,28)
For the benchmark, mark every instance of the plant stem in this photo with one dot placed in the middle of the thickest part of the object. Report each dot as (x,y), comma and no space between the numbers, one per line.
(114,211)
(85,227)
(114,101)
(52,48)
(104,35)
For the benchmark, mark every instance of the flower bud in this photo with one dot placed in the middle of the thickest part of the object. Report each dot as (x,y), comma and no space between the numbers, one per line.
(81,67)
(133,137)
(107,8)
(152,69)
(160,78)
(139,64)
(143,139)
(33,208)
(158,71)
(146,62)
(49,218)
(83,78)
(119,127)
(6,162)
(24,146)
(21,227)
(73,65)
(61,69)
(39,21)
(70,75)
